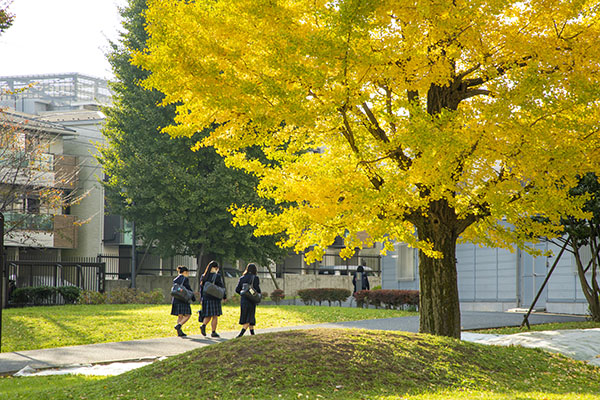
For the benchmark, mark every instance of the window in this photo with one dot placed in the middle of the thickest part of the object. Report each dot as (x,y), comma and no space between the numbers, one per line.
(32,205)
(405,263)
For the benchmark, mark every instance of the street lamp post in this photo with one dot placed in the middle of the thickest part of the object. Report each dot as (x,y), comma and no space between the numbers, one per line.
(133,251)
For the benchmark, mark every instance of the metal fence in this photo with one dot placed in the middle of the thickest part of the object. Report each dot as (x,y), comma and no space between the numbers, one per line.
(331,264)
(119,266)
(85,275)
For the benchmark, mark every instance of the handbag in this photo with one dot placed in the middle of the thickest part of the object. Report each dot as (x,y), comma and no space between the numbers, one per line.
(182,293)
(214,290)
(250,293)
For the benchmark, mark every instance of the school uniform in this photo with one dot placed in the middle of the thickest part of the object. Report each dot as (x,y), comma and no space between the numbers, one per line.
(180,307)
(360,281)
(248,308)
(211,306)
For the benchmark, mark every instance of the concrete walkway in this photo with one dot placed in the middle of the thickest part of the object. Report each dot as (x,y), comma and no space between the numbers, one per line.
(149,349)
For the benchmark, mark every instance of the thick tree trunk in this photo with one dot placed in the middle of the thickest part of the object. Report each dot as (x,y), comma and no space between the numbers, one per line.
(438,305)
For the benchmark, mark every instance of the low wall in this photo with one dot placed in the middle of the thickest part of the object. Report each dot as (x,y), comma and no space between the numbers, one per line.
(290,283)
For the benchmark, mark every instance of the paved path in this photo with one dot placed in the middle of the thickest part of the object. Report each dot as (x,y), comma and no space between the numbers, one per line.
(136,350)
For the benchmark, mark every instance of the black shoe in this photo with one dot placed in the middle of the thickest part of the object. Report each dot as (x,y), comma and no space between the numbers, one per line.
(179,331)
(214,334)
(203,330)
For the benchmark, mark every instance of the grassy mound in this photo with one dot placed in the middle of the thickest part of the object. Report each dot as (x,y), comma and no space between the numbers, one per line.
(347,364)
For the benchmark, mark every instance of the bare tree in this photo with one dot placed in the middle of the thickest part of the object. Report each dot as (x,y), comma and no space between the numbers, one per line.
(37,181)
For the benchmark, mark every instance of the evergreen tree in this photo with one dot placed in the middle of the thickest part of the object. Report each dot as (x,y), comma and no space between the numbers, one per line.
(178,198)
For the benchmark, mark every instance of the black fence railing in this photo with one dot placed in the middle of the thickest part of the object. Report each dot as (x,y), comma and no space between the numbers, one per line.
(331,264)
(85,275)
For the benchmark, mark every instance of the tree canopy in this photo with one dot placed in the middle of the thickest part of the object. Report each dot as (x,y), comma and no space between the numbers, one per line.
(419,122)
(178,198)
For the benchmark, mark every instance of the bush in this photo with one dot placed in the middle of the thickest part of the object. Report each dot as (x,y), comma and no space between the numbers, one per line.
(361,297)
(234,300)
(154,297)
(21,295)
(91,297)
(309,296)
(122,296)
(43,294)
(387,298)
(69,293)
(277,295)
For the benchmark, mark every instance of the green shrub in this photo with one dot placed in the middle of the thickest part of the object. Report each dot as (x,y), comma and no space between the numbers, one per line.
(122,296)
(69,293)
(387,298)
(21,295)
(234,300)
(92,297)
(42,294)
(34,295)
(154,297)
(309,296)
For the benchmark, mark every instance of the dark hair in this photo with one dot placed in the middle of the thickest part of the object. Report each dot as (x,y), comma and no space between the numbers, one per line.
(211,265)
(181,269)
(251,269)
(360,269)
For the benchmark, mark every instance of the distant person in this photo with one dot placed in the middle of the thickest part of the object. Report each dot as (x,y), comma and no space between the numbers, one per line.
(247,307)
(359,280)
(211,306)
(182,308)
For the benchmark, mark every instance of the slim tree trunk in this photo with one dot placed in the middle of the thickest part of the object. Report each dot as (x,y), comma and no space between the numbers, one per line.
(590,294)
(272,277)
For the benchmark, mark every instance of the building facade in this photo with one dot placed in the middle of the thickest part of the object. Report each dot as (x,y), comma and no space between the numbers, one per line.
(493,279)
(37,178)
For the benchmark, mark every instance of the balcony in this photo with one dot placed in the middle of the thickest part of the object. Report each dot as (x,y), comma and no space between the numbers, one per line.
(28,222)
(47,170)
(41,230)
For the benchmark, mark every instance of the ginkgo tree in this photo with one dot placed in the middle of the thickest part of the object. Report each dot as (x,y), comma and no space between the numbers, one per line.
(424,122)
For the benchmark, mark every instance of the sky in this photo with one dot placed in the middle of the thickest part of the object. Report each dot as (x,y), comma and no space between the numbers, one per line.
(60,36)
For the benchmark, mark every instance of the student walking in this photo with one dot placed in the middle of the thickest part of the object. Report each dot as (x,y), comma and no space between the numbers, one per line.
(360,280)
(248,308)
(211,306)
(182,308)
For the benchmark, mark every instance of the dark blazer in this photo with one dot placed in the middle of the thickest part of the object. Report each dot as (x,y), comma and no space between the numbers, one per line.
(247,279)
(358,285)
(183,280)
(218,281)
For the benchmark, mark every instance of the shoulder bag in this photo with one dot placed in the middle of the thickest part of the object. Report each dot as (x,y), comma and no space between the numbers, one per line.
(181,293)
(250,293)
(214,290)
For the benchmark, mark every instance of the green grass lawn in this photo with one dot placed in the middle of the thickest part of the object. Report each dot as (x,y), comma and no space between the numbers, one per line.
(46,327)
(335,364)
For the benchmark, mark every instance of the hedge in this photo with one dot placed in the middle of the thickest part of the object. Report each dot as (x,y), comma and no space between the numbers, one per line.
(43,294)
(387,298)
(122,296)
(309,296)
(277,295)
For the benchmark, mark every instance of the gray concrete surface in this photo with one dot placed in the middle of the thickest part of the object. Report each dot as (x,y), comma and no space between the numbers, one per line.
(136,350)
